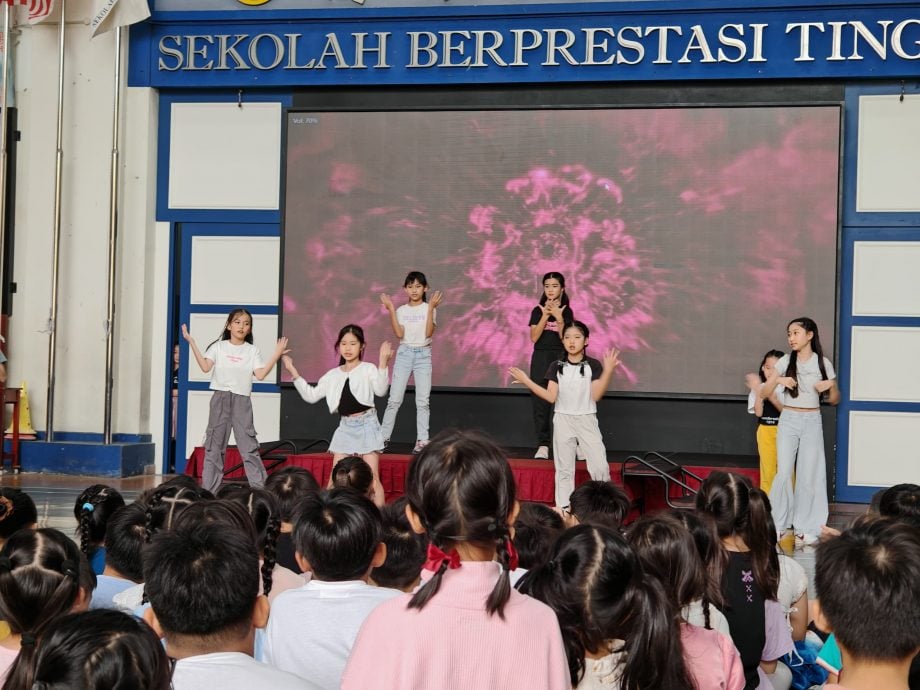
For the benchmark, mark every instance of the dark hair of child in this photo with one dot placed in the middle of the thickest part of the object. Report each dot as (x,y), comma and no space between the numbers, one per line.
(289,485)
(124,541)
(555,275)
(101,649)
(202,580)
(422,280)
(92,510)
(225,335)
(461,487)
(167,501)
(42,573)
(778,354)
(667,552)
(405,549)
(17,510)
(902,502)
(600,502)
(354,473)
(792,369)
(740,509)
(866,581)
(355,330)
(597,587)
(263,509)
(337,532)
(702,529)
(535,531)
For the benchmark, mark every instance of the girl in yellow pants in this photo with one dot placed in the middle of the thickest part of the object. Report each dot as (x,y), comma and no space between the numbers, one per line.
(767,412)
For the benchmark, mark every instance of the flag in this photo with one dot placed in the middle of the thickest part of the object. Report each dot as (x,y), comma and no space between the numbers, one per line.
(38,9)
(110,14)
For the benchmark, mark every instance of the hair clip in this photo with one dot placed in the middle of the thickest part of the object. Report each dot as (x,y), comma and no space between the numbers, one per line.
(69,567)
(6,565)
(89,507)
(27,640)
(513,559)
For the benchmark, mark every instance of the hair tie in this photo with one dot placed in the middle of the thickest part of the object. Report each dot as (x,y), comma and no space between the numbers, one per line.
(513,559)
(27,640)
(437,557)
(89,507)
(69,567)
(6,565)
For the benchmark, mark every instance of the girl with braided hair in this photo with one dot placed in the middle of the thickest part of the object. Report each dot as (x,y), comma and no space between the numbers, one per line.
(92,510)
(465,626)
(43,576)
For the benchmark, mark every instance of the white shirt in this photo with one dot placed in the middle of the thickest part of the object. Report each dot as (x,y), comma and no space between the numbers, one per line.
(807,374)
(233,671)
(365,381)
(312,629)
(233,366)
(413,320)
(574,382)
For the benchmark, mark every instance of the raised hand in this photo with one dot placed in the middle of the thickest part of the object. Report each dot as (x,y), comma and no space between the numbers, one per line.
(611,359)
(387,302)
(386,353)
(186,335)
(752,381)
(436,299)
(281,348)
(518,375)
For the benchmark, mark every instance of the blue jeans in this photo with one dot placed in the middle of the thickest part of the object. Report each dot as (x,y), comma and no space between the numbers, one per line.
(417,362)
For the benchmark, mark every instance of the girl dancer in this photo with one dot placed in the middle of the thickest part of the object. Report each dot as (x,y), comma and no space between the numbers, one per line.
(413,324)
(767,412)
(234,360)
(575,384)
(349,390)
(546,323)
(807,375)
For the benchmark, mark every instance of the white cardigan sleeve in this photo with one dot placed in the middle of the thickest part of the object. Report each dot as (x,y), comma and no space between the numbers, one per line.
(311,394)
(381,383)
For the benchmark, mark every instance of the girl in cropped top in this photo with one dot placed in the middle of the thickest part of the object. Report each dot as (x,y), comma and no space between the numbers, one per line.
(766,410)
(807,375)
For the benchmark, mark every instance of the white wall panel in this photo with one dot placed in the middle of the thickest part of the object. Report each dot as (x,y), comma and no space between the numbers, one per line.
(222,156)
(886,279)
(883,448)
(888,151)
(208,327)
(222,270)
(266,411)
(885,364)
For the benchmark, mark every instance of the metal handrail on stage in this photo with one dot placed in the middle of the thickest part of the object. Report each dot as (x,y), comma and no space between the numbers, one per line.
(654,465)
(271,459)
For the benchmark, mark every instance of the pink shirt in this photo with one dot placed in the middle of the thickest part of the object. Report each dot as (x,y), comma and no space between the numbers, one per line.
(453,644)
(711,658)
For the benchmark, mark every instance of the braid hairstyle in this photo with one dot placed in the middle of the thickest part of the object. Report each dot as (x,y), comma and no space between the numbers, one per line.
(740,509)
(792,369)
(165,504)
(42,573)
(600,593)
(263,508)
(92,509)
(101,649)
(462,489)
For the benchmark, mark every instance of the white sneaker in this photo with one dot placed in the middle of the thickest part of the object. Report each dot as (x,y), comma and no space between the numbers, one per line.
(806,539)
(419,445)
(542,453)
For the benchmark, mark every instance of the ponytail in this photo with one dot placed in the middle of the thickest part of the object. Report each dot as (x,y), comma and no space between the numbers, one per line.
(759,535)
(502,590)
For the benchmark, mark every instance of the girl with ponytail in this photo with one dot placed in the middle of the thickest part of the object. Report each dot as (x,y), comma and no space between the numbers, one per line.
(93,508)
(465,626)
(750,575)
(43,576)
(619,628)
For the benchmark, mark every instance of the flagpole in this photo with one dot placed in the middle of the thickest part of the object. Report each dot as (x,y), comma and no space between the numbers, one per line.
(56,246)
(113,240)
(4,124)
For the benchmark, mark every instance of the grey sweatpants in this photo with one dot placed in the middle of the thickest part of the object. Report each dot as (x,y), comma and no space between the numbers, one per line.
(800,448)
(572,431)
(231,411)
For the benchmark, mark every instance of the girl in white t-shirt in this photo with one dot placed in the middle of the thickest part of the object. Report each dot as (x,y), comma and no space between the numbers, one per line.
(807,375)
(233,360)
(413,324)
(349,390)
(575,384)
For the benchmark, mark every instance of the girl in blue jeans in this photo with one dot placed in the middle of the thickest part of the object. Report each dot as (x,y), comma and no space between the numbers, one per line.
(413,324)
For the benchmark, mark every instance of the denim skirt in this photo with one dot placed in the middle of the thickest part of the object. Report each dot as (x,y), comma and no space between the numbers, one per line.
(358,435)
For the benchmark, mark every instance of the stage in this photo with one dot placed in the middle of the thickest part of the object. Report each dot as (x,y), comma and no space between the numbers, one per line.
(534,478)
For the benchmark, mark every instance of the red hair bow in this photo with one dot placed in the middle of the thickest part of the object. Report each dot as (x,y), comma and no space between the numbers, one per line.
(436,557)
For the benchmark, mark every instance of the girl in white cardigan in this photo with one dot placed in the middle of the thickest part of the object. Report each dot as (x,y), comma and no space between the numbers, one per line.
(349,390)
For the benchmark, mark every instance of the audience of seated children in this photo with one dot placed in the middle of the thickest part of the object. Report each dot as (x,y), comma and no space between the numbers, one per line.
(337,539)
(17,511)
(619,627)
(405,549)
(535,531)
(866,582)
(465,627)
(667,552)
(203,584)
(353,472)
(43,575)
(265,513)
(92,510)
(124,565)
(750,576)
(100,650)
(289,485)
(598,502)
